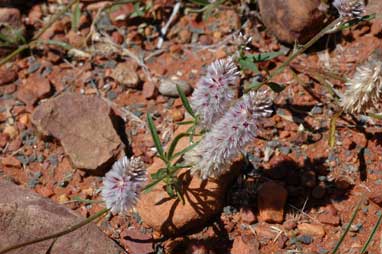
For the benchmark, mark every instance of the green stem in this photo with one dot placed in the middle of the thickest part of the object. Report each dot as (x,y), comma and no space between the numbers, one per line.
(372,234)
(318,36)
(58,234)
(347,227)
(14,54)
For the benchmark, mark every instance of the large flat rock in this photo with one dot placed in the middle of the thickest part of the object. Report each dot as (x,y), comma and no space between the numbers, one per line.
(25,216)
(83,126)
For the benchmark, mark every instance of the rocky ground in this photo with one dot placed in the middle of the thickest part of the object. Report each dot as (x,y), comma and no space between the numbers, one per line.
(78,100)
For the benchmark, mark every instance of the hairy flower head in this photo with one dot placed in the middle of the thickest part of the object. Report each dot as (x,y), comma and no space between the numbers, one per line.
(215,152)
(364,90)
(350,8)
(213,94)
(123,183)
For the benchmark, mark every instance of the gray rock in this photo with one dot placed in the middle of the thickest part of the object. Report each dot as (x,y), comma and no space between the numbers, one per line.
(167,87)
(83,126)
(26,216)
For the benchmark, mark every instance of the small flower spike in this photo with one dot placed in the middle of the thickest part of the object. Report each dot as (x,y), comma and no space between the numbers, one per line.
(213,94)
(364,90)
(229,136)
(353,9)
(123,184)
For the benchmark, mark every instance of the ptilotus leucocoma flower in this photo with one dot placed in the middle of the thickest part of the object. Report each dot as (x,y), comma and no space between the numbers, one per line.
(213,155)
(350,8)
(213,94)
(364,90)
(123,184)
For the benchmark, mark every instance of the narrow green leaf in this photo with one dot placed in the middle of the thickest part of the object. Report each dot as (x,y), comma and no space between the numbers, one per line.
(376,116)
(155,137)
(170,190)
(246,63)
(185,122)
(372,234)
(354,214)
(262,57)
(149,186)
(76,15)
(57,43)
(185,150)
(173,144)
(277,88)
(159,174)
(87,201)
(185,102)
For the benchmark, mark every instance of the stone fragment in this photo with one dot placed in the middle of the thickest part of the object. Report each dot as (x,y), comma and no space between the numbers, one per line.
(245,244)
(271,199)
(135,242)
(83,126)
(10,161)
(7,75)
(329,219)
(311,229)
(292,20)
(167,87)
(308,178)
(203,199)
(25,216)
(126,74)
(149,90)
(33,89)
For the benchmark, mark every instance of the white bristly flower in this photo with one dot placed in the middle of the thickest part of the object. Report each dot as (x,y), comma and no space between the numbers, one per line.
(213,94)
(123,183)
(364,90)
(215,152)
(350,8)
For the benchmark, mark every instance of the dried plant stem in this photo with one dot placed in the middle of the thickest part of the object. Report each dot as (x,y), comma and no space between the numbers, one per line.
(301,50)
(21,48)
(163,31)
(58,234)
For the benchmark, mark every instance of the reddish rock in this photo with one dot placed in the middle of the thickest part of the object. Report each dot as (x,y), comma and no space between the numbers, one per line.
(271,199)
(292,20)
(247,216)
(90,139)
(7,75)
(26,216)
(311,229)
(34,88)
(245,244)
(149,90)
(44,191)
(10,161)
(35,15)
(126,74)
(15,144)
(329,219)
(4,138)
(135,242)
(308,178)
(203,199)
(117,37)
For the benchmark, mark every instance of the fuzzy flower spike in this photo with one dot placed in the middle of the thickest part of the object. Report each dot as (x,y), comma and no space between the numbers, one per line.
(213,94)
(353,9)
(123,183)
(364,90)
(213,155)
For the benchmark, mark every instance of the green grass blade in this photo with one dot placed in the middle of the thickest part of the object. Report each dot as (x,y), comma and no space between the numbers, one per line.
(76,17)
(354,214)
(155,137)
(372,234)
(185,102)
